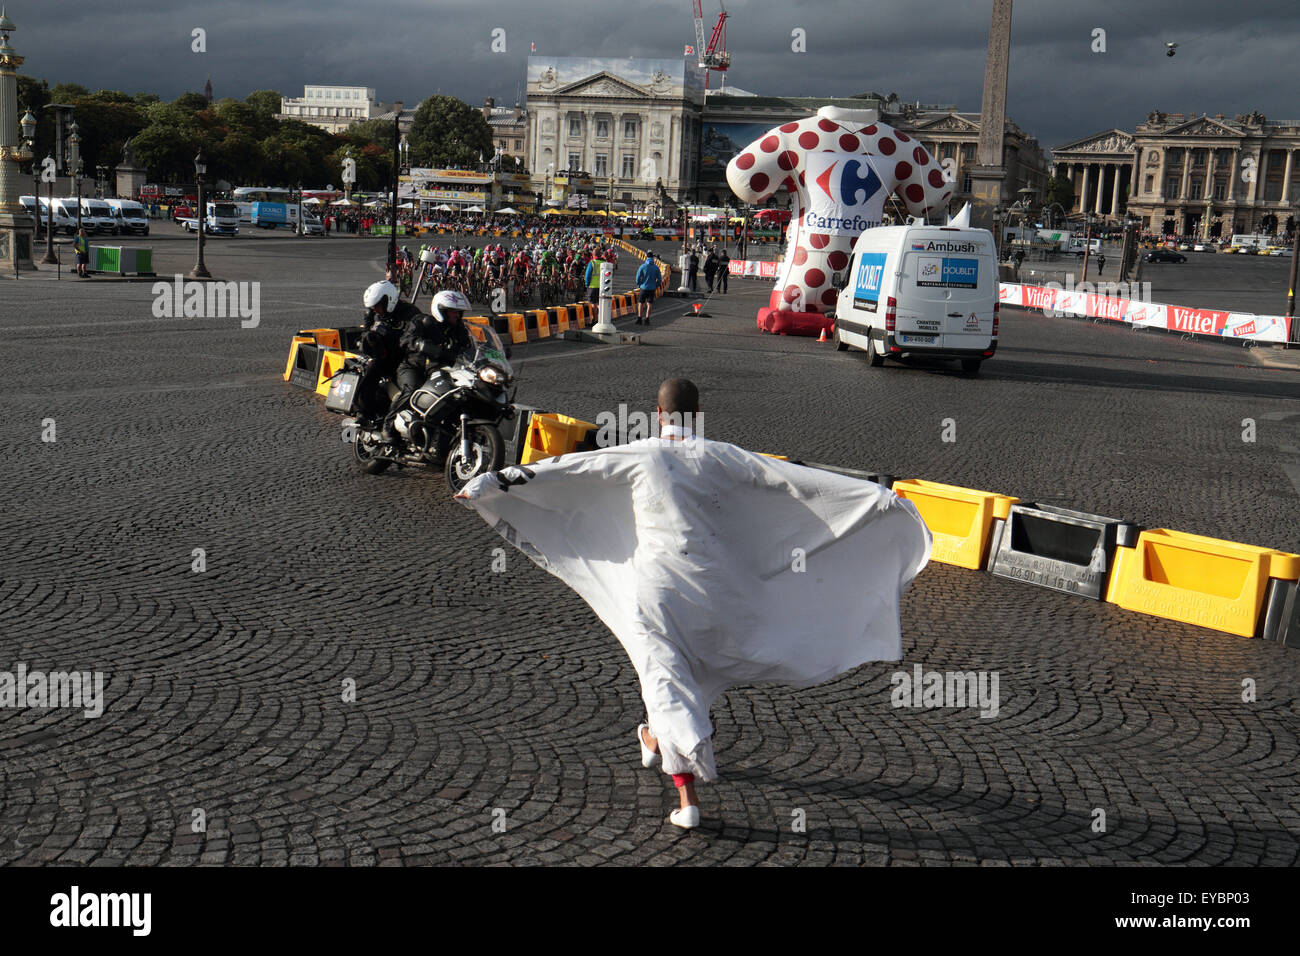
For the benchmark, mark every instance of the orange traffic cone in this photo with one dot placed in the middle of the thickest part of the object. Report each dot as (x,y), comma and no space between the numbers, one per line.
(822,337)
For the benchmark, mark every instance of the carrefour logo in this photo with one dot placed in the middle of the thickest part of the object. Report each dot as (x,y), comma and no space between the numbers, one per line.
(854,188)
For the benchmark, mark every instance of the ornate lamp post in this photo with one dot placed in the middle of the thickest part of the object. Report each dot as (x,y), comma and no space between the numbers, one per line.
(15,233)
(1295,270)
(74,166)
(200,271)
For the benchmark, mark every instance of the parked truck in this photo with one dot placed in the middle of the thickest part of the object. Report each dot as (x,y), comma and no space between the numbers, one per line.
(271,215)
(222,219)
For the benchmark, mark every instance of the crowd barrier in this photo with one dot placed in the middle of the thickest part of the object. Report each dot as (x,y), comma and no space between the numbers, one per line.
(1238,326)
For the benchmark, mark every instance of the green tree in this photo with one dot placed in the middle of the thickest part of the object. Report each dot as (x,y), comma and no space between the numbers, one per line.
(145,100)
(1060,189)
(447,131)
(67,92)
(265,102)
(167,151)
(192,102)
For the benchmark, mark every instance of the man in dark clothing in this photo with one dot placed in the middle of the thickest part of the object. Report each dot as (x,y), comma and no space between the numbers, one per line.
(724,269)
(710,268)
(692,270)
(430,342)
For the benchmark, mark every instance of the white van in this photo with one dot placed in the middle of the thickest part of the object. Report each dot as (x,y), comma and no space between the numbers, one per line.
(97,217)
(920,291)
(131,216)
(1077,243)
(65,214)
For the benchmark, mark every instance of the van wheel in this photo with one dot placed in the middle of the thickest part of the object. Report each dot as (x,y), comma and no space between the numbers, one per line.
(971,367)
(835,337)
(874,355)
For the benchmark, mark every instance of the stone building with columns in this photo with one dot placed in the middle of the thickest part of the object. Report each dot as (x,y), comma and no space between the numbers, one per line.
(1203,176)
(631,124)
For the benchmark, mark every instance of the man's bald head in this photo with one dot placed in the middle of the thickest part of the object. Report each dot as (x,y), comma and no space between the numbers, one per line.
(679,396)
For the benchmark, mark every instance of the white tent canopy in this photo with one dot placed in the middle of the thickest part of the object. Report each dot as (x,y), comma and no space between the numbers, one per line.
(343,202)
(312,201)
(444,208)
(507,211)
(474,209)
(406,205)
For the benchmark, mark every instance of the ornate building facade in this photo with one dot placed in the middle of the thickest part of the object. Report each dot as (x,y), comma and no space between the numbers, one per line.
(1205,176)
(630,125)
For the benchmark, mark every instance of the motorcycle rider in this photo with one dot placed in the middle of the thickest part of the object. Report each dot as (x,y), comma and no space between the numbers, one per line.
(430,342)
(387,315)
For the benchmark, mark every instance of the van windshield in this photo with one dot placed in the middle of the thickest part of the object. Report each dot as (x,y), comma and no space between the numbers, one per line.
(224,209)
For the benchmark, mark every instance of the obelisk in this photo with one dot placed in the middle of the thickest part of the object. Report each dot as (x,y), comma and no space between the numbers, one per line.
(988,175)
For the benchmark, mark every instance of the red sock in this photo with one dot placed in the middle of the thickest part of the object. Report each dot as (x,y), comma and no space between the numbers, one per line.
(682,779)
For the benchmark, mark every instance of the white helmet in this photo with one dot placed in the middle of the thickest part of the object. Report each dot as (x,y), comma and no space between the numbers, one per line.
(449,299)
(379,291)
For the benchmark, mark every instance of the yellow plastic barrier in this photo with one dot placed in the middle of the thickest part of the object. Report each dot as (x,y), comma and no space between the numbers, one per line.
(518,332)
(1198,580)
(543,324)
(331,361)
(961,519)
(325,338)
(561,320)
(293,352)
(550,435)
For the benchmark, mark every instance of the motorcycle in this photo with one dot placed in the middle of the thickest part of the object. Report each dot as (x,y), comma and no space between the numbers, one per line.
(464,402)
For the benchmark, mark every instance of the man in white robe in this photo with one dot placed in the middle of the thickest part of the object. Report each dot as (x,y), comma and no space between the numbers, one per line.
(713,566)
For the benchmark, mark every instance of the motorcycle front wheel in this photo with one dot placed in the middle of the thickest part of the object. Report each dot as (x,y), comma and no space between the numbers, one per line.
(486,453)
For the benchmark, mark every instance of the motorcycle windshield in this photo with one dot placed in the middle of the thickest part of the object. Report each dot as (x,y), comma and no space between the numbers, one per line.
(486,348)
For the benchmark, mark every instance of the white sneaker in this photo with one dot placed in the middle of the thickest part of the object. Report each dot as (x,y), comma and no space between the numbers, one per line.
(649,758)
(688,818)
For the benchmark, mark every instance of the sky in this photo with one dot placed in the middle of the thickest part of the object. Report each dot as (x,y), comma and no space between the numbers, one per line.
(1231,57)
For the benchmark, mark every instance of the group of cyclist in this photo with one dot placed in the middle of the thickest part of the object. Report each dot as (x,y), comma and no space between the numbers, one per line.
(550,267)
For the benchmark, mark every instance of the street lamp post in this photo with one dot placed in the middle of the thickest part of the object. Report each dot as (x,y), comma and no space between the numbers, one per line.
(75,167)
(392,234)
(77,170)
(200,270)
(1295,270)
(50,258)
(1087,246)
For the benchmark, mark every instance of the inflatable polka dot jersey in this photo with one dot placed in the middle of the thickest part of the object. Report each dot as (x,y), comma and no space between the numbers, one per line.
(841,165)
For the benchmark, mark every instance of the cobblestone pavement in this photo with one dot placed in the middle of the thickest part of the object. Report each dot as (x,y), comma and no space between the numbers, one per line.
(487,698)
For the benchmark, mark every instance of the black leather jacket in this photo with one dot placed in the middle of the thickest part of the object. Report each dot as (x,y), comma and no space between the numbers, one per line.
(431,343)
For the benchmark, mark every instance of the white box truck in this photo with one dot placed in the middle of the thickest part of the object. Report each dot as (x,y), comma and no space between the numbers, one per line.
(919,291)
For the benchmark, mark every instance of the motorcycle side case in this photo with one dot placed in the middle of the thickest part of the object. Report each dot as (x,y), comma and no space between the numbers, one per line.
(343,393)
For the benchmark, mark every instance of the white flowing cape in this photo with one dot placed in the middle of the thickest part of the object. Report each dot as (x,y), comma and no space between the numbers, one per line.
(716,566)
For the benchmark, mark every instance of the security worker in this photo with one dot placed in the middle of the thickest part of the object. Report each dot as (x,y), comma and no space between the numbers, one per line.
(430,342)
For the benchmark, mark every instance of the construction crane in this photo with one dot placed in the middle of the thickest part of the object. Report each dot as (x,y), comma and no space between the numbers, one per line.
(713,55)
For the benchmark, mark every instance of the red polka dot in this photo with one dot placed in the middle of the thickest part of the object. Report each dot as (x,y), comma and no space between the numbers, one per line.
(903,137)
(826,126)
(914,193)
(886,146)
(818,240)
(791,293)
(744,160)
(936,179)
(809,140)
(790,184)
(837,260)
(869,130)
(788,159)
(769,144)
(830,296)
(758,182)
(800,255)
(814,278)
(903,171)
(789,127)
(849,143)
(921,156)
(802,182)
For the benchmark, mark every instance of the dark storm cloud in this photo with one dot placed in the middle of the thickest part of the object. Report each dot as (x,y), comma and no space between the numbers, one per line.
(1231,58)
